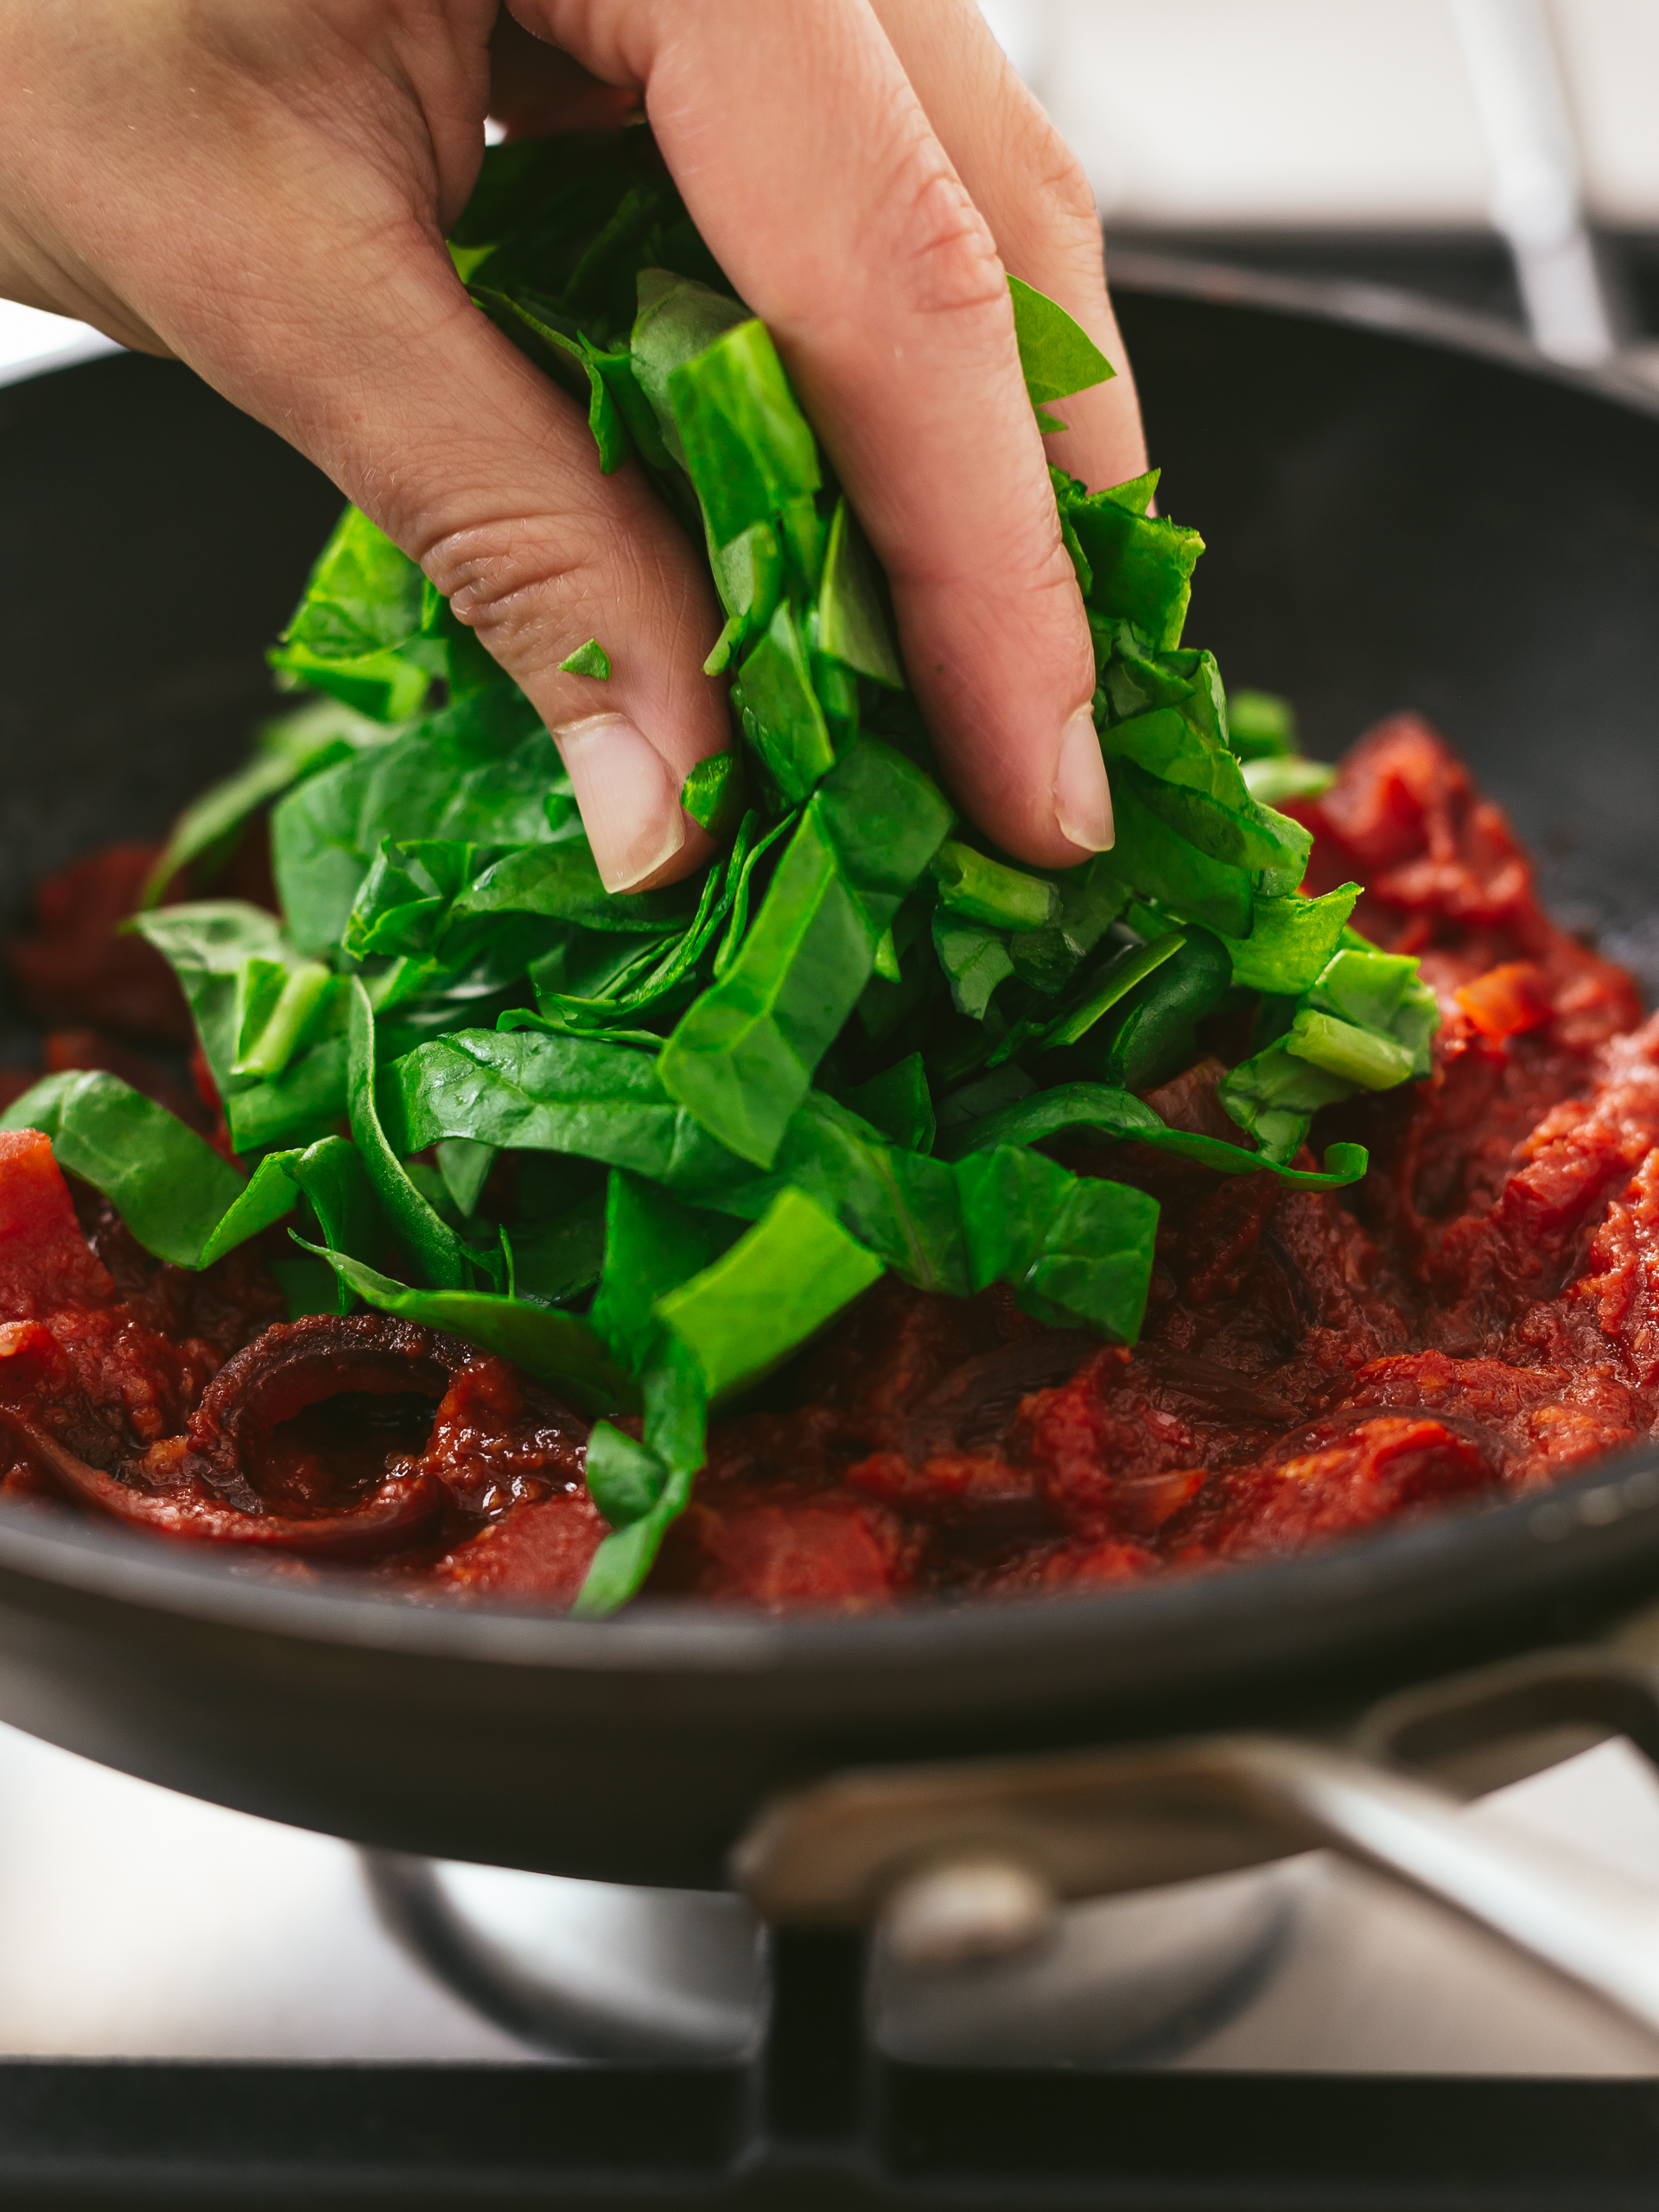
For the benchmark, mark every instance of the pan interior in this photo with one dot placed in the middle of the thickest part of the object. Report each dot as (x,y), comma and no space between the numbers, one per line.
(1394,521)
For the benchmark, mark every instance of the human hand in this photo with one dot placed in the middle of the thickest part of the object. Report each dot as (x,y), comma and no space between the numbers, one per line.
(261,188)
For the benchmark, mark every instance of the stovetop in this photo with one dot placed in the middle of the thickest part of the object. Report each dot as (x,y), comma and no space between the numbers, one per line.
(199,2007)
(139,1924)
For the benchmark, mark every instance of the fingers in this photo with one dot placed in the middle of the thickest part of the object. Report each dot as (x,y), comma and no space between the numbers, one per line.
(1031,189)
(811,167)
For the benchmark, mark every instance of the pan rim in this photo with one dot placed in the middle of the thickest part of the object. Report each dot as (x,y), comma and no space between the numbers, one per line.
(1580,1534)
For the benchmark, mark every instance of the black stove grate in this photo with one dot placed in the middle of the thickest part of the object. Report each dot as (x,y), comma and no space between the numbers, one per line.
(819,2124)
(97,2137)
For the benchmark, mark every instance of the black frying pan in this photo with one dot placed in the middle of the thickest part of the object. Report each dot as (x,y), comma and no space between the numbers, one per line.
(1399,517)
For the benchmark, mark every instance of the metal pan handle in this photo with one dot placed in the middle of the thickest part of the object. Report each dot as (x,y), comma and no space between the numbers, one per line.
(1589,1924)
(953,1862)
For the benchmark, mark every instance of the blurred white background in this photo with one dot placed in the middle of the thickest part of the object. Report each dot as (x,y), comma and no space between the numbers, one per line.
(30,341)
(1312,114)
(1501,154)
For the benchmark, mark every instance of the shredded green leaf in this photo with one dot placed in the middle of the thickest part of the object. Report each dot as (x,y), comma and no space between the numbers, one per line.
(721,1110)
(588,659)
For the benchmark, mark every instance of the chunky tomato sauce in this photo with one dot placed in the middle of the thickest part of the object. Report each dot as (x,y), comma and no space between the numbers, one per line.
(1480,1316)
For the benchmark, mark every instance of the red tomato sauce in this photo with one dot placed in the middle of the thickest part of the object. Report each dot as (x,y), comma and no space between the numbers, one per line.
(1479,1316)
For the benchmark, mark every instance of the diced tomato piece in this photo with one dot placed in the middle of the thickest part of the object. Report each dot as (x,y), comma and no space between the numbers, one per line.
(45,1262)
(780,1551)
(539,1551)
(1085,1566)
(1508,1000)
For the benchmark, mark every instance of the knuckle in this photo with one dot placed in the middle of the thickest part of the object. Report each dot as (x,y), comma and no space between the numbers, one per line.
(521,585)
(1058,218)
(1017,558)
(928,247)
(948,253)
(530,587)
(1060,186)
(1043,588)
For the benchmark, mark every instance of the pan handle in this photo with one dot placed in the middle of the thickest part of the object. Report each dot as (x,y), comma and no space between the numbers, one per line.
(956,1862)
(1589,1924)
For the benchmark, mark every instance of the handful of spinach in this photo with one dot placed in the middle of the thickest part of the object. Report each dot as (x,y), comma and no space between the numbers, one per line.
(733,1104)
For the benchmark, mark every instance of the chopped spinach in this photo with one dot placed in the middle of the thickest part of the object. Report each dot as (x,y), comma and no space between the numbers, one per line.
(722,1110)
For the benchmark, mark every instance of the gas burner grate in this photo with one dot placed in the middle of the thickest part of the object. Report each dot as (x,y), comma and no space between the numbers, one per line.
(815,2125)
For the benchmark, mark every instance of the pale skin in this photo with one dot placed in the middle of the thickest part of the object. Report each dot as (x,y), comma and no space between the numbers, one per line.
(261,188)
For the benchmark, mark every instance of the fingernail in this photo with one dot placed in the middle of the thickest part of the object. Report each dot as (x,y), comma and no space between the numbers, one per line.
(1083,797)
(629,800)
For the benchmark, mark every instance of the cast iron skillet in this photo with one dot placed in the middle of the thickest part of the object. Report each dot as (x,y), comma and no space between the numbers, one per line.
(1400,517)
